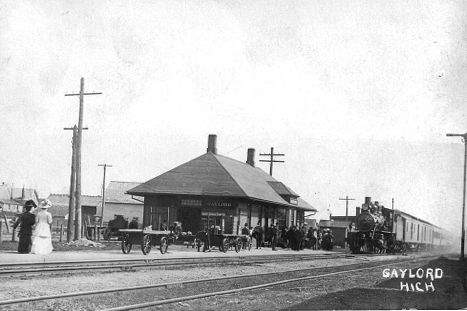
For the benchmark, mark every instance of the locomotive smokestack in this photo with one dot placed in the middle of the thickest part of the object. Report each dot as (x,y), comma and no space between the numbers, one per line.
(368,200)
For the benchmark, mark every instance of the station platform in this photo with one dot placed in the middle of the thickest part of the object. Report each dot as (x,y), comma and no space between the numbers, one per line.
(174,251)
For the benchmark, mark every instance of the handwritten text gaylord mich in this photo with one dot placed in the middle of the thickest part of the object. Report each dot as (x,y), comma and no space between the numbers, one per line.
(419,280)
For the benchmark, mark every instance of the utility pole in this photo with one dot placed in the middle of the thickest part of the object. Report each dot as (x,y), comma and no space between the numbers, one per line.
(78,156)
(103,191)
(71,202)
(464,140)
(347,199)
(271,160)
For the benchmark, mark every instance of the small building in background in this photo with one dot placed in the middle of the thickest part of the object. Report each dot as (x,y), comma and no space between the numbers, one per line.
(339,226)
(60,204)
(311,223)
(12,199)
(118,202)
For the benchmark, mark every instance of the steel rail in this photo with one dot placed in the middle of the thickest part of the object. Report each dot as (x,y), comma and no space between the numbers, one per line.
(166,262)
(122,289)
(25,263)
(231,291)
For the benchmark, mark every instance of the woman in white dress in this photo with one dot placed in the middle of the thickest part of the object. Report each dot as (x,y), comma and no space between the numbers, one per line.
(42,238)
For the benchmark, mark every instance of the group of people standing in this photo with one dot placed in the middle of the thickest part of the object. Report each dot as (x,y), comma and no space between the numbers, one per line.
(34,229)
(295,237)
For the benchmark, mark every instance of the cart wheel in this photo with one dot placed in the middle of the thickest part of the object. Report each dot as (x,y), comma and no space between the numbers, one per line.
(225,245)
(146,244)
(126,244)
(238,245)
(198,244)
(107,234)
(164,245)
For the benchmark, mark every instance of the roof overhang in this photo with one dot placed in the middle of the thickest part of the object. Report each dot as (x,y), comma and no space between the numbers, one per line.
(284,204)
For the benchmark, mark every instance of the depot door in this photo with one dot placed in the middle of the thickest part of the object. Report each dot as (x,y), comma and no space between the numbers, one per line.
(213,219)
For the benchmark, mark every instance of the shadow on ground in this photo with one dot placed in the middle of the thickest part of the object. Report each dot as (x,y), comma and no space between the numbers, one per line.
(450,293)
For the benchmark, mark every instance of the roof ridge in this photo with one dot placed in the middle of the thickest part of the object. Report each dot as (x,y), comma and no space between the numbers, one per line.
(66,194)
(258,170)
(230,175)
(248,165)
(165,173)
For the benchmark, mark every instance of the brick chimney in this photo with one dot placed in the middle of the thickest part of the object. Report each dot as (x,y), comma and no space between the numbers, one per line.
(250,158)
(212,142)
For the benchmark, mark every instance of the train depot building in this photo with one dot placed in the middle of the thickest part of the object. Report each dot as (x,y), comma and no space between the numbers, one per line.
(216,190)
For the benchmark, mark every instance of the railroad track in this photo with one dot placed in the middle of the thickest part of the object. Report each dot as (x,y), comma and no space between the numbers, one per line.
(57,267)
(162,293)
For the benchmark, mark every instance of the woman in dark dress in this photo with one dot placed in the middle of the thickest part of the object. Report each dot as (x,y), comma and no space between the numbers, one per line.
(26,220)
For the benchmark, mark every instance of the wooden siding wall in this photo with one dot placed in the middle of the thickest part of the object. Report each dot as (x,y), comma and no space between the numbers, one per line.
(194,218)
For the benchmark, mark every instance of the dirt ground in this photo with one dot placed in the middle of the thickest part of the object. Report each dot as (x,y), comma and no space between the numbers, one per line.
(450,292)
(63,246)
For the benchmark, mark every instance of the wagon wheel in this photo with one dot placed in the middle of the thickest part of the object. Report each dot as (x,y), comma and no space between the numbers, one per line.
(164,245)
(238,245)
(225,245)
(126,244)
(198,244)
(107,234)
(146,244)
(404,248)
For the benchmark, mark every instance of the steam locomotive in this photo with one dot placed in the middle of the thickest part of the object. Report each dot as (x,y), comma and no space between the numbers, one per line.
(378,229)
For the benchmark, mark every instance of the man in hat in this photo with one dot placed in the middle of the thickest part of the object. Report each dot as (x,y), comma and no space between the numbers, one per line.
(26,220)
(258,235)
(274,236)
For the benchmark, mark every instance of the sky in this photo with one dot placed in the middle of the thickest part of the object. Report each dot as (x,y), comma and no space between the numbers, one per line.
(358,95)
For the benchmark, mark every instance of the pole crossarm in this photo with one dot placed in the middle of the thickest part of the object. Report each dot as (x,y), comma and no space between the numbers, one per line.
(464,136)
(457,135)
(271,158)
(96,93)
(346,199)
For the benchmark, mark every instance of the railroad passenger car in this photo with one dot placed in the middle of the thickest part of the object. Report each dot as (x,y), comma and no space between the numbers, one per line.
(380,229)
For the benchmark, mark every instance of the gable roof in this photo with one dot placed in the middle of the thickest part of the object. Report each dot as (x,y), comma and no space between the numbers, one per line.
(116,192)
(282,189)
(60,203)
(10,195)
(216,175)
